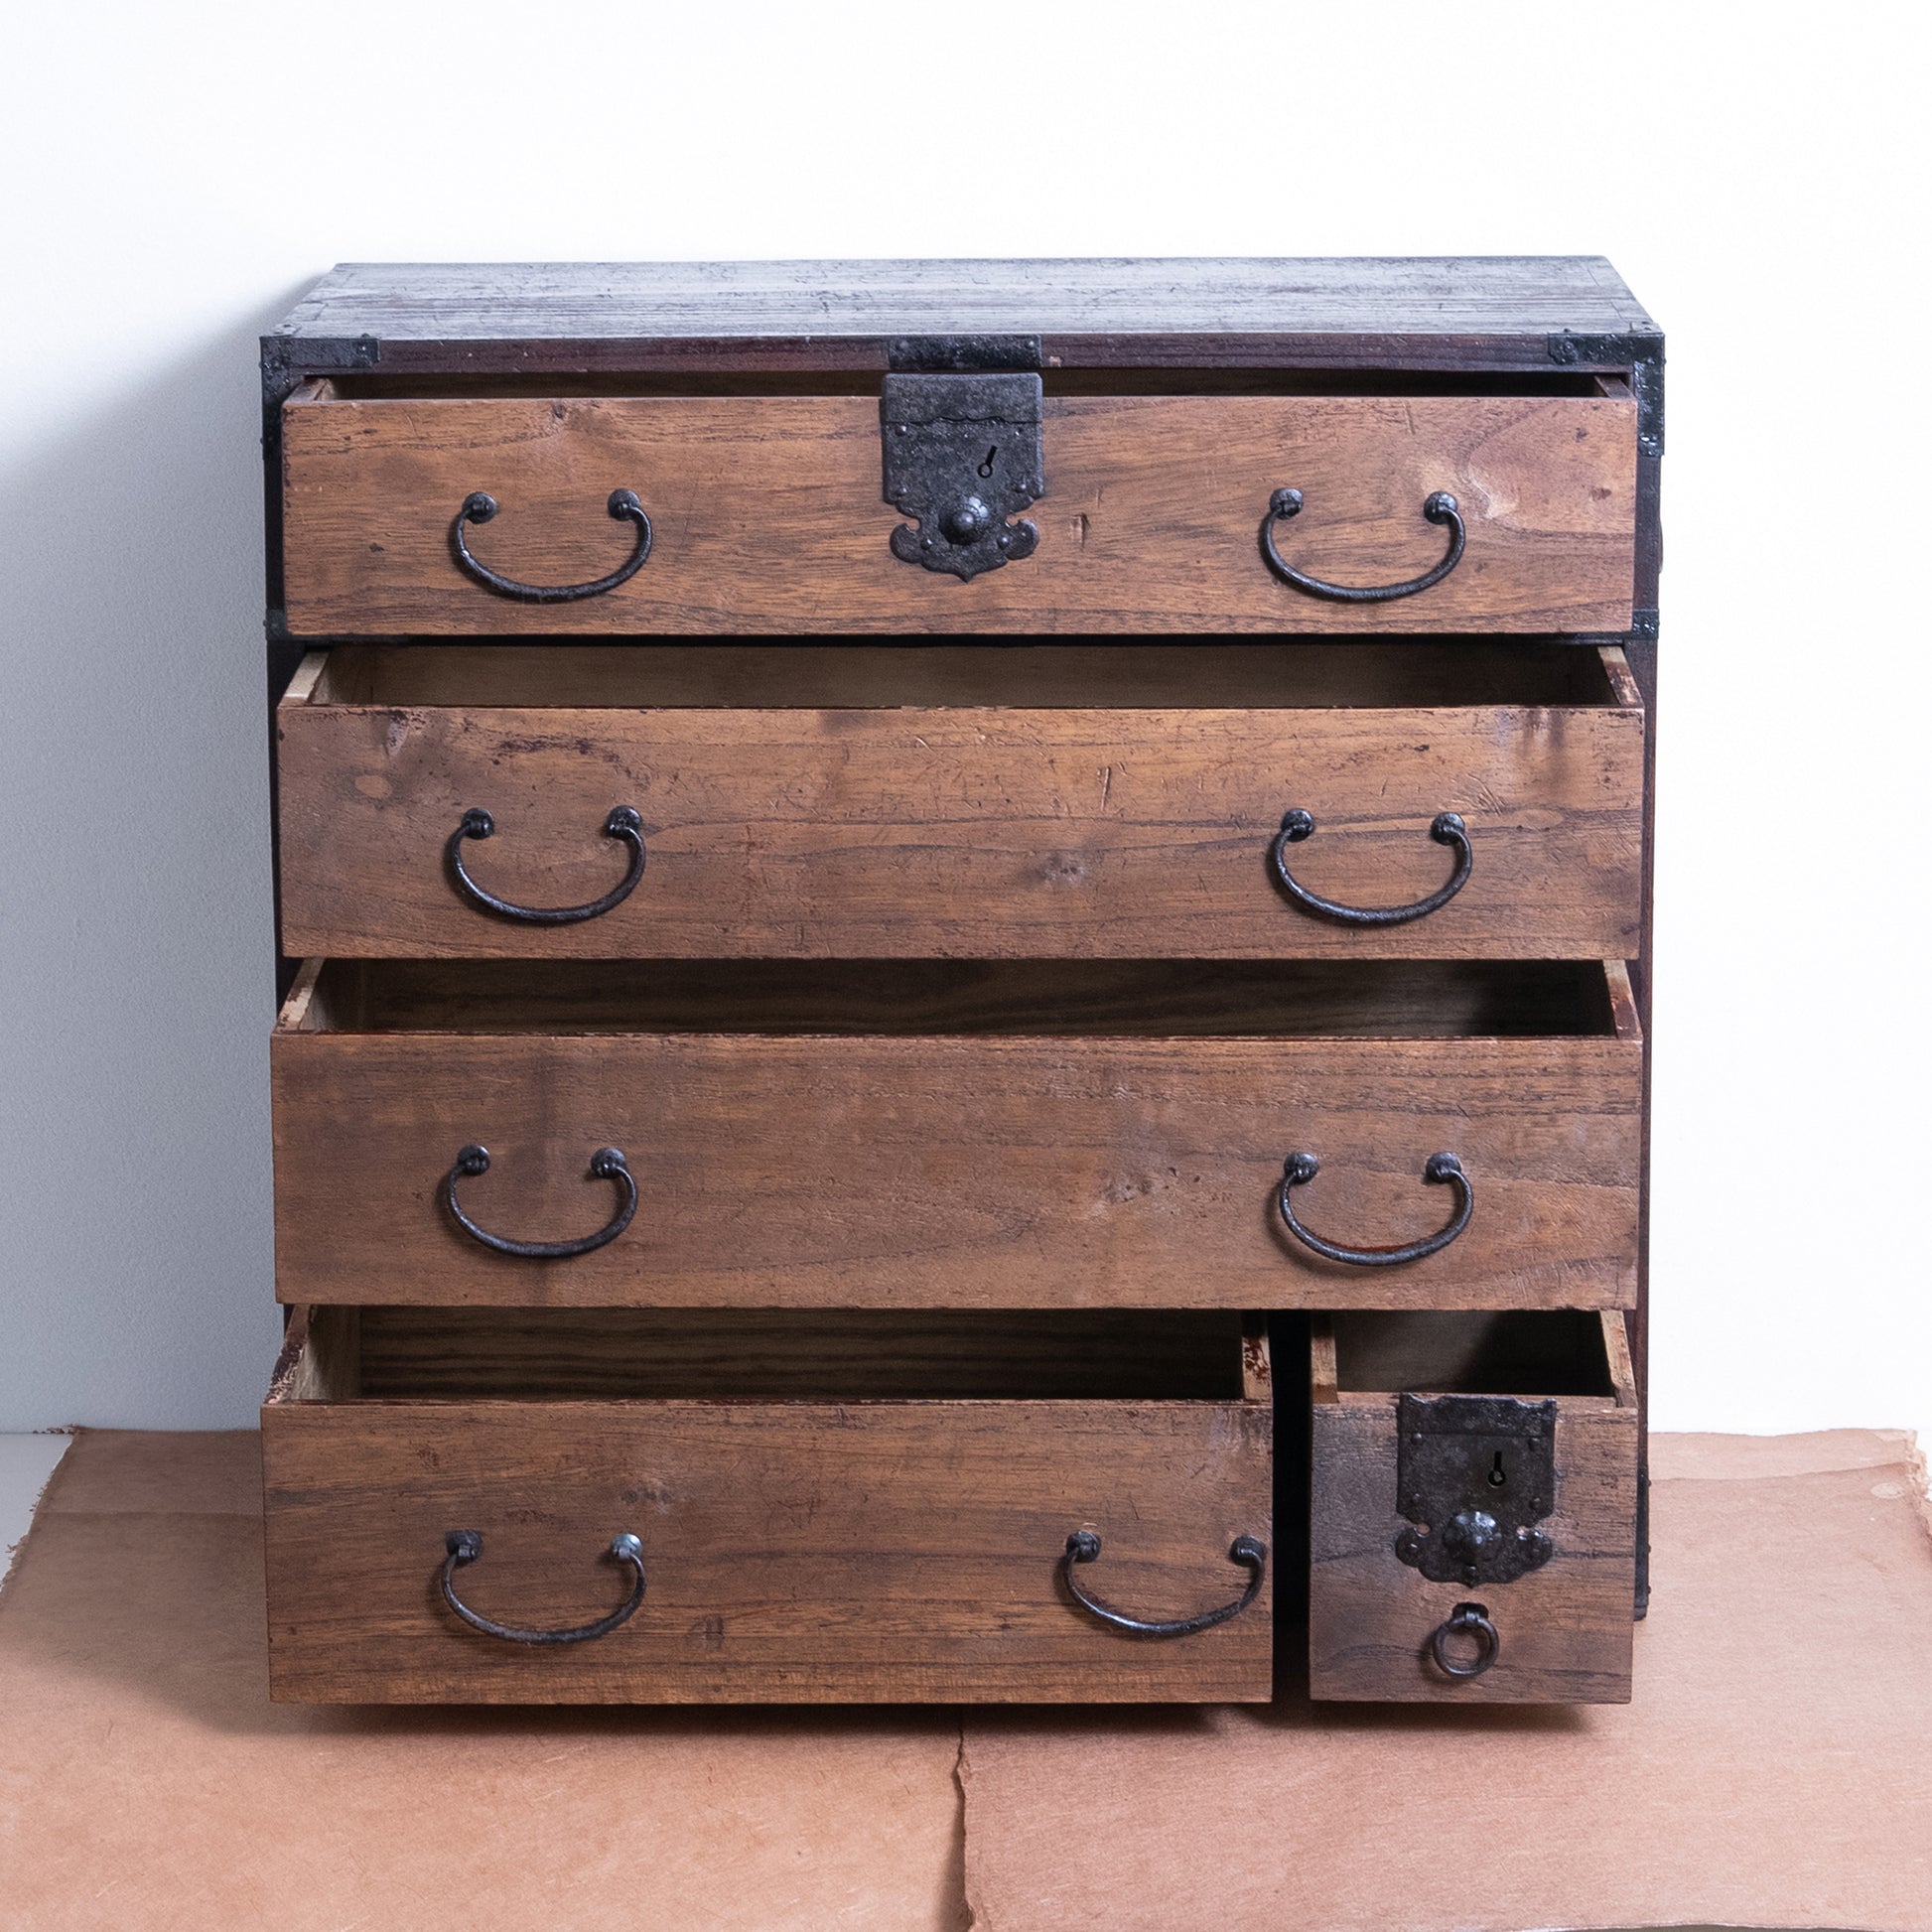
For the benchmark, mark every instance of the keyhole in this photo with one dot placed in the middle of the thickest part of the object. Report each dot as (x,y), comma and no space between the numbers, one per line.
(1496,1476)
(986,467)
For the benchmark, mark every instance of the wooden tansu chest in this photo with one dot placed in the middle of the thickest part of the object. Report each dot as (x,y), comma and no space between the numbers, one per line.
(966,972)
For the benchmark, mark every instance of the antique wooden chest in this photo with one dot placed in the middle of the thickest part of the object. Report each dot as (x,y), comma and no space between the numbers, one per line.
(965,980)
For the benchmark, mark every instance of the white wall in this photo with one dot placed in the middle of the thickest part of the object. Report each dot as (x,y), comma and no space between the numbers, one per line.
(175,175)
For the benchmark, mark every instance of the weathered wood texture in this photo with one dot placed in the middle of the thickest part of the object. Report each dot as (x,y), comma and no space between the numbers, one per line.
(1565,1630)
(784,1355)
(977,832)
(843,314)
(795,1551)
(980,1172)
(769,517)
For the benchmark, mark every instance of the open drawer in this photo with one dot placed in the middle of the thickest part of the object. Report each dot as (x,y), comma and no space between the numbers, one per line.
(907,1133)
(553,511)
(1474,1493)
(606,1505)
(1456,801)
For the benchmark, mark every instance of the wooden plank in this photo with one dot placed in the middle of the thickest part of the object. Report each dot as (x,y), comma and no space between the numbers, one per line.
(979,1172)
(1565,1629)
(794,1552)
(789,1354)
(769,517)
(1147,302)
(960,832)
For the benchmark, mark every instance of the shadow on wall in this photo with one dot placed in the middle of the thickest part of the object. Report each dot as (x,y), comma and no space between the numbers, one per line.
(136,945)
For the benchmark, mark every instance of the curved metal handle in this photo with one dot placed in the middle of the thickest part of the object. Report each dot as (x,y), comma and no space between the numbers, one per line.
(480,506)
(1438,506)
(465,1546)
(1466,1619)
(1438,1169)
(1446,828)
(607,1164)
(623,823)
(1083,1546)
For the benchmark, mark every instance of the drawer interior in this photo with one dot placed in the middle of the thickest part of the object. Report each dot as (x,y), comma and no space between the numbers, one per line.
(1285,999)
(1572,1352)
(349,1354)
(1115,676)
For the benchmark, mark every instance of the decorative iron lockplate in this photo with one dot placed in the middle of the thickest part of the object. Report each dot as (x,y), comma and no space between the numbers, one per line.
(1473,1473)
(962,456)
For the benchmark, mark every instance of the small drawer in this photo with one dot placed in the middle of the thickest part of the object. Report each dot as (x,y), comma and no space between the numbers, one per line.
(765,514)
(942,1508)
(900,1134)
(1475,1492)
(992,802)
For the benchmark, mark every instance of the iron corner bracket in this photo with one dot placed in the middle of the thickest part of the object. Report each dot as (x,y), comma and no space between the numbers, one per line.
(1641,355)
(288,359)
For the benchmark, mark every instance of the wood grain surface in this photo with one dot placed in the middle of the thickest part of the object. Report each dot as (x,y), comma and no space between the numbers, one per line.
(959,831)
(795,1551)
(768,517)
(982,1171)
(1565,1629)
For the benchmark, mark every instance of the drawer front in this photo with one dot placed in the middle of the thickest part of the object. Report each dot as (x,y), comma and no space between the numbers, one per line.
(1562,1631)
(989,1172)
(960,832)
(792,1552)
(768,515)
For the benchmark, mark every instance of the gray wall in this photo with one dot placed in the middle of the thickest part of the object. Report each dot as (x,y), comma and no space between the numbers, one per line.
(175,175)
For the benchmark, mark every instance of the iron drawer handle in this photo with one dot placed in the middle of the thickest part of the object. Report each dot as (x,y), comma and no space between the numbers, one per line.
(1083,1546)
(465,1546)
(1447,828)
(1438,506)
(1437,1168)
(623,823)
(480,506)
(1466,1618)
(607,1164)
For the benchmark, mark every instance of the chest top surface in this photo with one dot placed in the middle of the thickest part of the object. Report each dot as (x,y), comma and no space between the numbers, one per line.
(1469,311)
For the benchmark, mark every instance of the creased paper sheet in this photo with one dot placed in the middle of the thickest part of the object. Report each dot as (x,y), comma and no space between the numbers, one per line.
(146,1781)
(1776,1768)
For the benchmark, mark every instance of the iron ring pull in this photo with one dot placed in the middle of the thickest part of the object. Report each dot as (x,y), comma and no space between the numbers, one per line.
(1438,1169)
(1438,506)
(607,1164)
(623,823)
(1447,828)
(1083,1547)
(480,506)
(1466,1619)
(465,1546)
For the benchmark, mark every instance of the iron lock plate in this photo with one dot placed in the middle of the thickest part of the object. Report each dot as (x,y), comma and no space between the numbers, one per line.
(1473,1472)
(962,456)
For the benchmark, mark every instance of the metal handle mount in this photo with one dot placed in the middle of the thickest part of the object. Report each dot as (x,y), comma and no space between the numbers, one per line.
(622,824)
(465,1546)
(1439,1169)
(1083,1547)
(607,1164)
(1438,506)
(480,506)
(1447,828)
(1466,1619)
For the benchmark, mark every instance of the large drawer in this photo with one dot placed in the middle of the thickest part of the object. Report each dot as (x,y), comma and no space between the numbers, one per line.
(870,801)
(1474,1483)
(767,513)
(822,1509)
(930,1133)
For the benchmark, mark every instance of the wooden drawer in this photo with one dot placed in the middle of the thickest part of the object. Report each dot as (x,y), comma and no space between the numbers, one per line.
(1561,1628)
(870,801)
(825,1509)
(930,1133)
(767,513)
